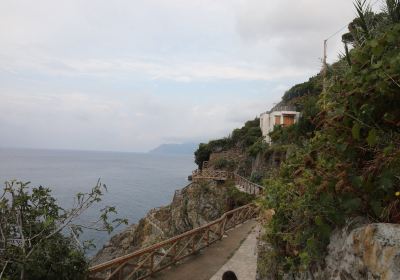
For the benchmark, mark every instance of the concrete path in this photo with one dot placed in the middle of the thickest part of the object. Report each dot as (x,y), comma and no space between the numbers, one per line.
(244,262)
(204,265)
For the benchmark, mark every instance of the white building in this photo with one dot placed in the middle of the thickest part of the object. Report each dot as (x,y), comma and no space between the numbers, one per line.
(279,115)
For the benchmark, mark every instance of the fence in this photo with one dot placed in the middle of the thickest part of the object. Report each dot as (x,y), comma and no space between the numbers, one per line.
(248,186)
(145,262)
(218,175)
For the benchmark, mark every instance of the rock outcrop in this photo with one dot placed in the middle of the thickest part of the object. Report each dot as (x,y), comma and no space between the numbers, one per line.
(192,206)
(357,251)
(368,252)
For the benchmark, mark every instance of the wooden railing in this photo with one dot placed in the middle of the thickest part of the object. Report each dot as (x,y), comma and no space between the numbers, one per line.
(248,186)
(218,175)
(145,262)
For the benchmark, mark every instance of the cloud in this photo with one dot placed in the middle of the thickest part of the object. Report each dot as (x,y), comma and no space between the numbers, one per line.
(176,40)
(83,121)
(294,29)
(152,69)
(130,75)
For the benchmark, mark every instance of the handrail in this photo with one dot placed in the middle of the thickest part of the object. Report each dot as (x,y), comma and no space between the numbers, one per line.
(221,175)
(247,185)
(145,262)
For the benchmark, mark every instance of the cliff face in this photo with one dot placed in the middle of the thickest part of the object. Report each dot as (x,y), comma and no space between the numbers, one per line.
(192,206)
(371,251)
(357,251)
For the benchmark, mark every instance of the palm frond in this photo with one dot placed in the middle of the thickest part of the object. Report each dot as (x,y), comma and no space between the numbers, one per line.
(393,10)
(362,9)
(347,54)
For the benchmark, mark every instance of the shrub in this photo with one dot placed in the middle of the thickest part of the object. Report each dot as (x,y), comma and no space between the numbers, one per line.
(256,177)
(223,163)
(202,154)
(257,147)
(33,241)
(237,198)
(312,87)
(240,138)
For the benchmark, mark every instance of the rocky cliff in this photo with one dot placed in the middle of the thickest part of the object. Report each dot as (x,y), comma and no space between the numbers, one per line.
(192,206)
(360,250)
(371,251)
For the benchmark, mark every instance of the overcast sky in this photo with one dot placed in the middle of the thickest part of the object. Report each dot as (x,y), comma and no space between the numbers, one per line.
(130,75)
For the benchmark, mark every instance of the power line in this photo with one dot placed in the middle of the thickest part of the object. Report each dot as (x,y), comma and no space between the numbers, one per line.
(335,33)
(324,63)
(324,60)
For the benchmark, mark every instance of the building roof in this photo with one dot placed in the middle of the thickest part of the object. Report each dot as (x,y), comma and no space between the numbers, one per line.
(281,107)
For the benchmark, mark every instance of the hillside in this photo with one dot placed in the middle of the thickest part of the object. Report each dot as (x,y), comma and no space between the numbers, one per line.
(174,149)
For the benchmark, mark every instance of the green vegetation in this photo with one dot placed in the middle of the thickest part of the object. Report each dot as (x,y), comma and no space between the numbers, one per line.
(247,135)
(237,198)
(347,157)
(258,147)
(223,163)
(312,87)
(33,240)
(241,138)
(256,177)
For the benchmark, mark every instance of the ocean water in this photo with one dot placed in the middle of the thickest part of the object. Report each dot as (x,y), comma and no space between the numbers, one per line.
(135,182)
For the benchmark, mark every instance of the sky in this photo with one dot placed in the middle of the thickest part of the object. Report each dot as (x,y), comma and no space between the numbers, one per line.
(129,75)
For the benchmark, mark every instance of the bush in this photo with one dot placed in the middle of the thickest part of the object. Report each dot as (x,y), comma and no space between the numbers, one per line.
(33,240)
(202,154)
(312,87)
(240,138)
(257,147)
(223,163)
(256,177)
(237,198)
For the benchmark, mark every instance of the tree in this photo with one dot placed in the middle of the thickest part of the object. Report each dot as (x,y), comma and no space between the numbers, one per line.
(34,239)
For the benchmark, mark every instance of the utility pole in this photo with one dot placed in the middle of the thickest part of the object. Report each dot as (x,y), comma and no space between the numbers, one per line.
(325,66)
(324,72)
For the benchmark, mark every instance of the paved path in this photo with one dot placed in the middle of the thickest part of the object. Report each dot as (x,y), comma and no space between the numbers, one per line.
(204,265)
(244,262)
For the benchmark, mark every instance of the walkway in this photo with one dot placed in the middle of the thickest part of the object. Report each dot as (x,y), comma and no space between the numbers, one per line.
(206,264)
(244,262)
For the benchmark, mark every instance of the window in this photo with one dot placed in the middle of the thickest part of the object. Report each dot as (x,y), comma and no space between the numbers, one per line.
(277,120)
(288,120)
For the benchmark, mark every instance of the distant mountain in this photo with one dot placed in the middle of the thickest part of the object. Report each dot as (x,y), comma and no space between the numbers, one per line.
(175,149)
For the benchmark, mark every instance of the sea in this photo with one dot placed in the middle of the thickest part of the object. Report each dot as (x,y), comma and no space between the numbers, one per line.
(135,182)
